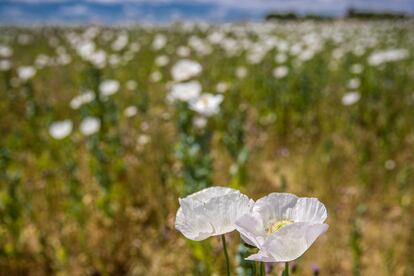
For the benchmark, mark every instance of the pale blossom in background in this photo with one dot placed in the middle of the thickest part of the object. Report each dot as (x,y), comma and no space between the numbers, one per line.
(222,87)
(108,87)
(280,72)
(130,111)
(85,97)
(143,139)
(159,42)
(351,98)
(357,68)
(131,85)
(185,69)
(5,65)
(199,122)
(162,60)
(26,72)
(389,55)
(90,125)
(60,129)
(185,91)
(207,104)
(354,83)
(5,51)
(241,72)
(155,76)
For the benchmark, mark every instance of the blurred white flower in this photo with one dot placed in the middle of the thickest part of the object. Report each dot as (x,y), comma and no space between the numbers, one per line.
(185,69)
(85,49)
(183,51)
(281,58)
(60,129)
(90,125)
(98,58)
(120,42)
(5,51)
(280,72)
(155,76)
(199,122)
(130,111)
(162,60)
(283,226)
(390,164)
(134,47)
(114,59)
(380,57)
(5,65)
(350,98)
(24,39)
(85,97)
(185,91)
(222,87)
(42,60)
(159,42)
(206,104)
(211,212)
(143,139)
(353,83)
(108,87)
(356,68)
(26,72)
(241,72)
(131,85)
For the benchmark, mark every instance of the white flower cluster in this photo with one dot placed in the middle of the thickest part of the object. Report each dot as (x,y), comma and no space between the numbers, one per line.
(205,104)
(281,225)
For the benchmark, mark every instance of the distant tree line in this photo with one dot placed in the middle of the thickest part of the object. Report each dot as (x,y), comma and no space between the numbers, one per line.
(351,14)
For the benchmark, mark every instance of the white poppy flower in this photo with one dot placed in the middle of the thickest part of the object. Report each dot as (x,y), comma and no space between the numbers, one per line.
(357,68)
(90,125)
(185,69)
(143,139)
(380,57)
(108,87)
(281,58)
(350,98)
(211,212)
(241,72)
(185,91)
(354,83)
(130,111)
(162,60)
(222,87)
(131,85)
(207,104)
(60,129)
(283,226)
(26,72)
(5,51)
(85,97)
(155,76)
(159,42)
(5,65)
(199,122)
(183,51)
(280,72)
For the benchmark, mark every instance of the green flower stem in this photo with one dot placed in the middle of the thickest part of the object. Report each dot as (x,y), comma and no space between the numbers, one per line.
(262,269)
(286,272)
(226,255)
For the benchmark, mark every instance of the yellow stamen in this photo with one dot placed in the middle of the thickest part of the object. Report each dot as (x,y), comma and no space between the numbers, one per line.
(274,226)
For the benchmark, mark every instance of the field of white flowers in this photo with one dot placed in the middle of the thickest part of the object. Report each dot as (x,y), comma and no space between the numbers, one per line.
(103,130)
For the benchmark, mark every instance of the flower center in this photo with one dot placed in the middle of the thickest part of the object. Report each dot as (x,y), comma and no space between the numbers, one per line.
(274,226)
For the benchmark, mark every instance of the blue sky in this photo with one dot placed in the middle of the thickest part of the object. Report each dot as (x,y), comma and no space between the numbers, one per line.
(161,11)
